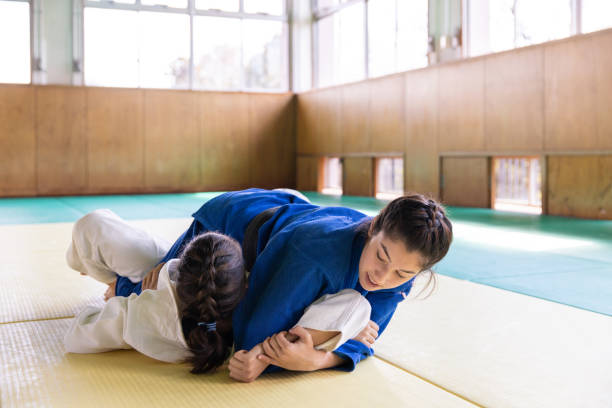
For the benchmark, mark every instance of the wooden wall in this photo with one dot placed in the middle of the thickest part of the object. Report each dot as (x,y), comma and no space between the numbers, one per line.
(83,140)
(552,99)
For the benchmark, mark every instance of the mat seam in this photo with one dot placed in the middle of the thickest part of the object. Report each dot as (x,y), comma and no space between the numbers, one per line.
(37,320)
(386,361)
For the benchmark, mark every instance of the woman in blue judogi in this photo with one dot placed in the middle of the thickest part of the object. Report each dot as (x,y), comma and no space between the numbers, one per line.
(296,252)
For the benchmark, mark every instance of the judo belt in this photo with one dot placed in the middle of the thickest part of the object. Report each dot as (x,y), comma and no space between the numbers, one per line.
(251,236)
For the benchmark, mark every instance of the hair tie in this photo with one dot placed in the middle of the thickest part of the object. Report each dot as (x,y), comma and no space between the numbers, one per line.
(209,326)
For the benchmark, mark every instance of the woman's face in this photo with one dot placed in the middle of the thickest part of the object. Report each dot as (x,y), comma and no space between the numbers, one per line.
(386,264)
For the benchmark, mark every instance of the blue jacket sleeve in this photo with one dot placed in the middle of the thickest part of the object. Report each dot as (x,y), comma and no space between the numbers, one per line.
(383,307)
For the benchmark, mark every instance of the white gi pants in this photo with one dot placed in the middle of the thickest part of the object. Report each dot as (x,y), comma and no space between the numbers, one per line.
(103,246)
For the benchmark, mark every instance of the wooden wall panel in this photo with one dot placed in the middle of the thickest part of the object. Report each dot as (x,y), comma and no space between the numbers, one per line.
(466,181)
(309,173)
(358,176)
(355,117)
(580,186)
(421,163)
(514,103)
(271,119)
(224,140)
(61,140)
(461,106)
(115,139)
(306,107)
(387,125)
(328,134)
(603,68)
(172,145)
(17,141)
(570,103)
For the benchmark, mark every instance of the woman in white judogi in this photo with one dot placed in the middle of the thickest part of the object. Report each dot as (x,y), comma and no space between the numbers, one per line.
(188,315)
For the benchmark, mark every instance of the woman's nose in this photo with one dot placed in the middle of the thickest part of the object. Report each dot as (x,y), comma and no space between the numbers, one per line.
(381,274)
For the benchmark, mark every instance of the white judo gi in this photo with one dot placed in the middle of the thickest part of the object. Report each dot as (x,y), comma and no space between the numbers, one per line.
(104,245)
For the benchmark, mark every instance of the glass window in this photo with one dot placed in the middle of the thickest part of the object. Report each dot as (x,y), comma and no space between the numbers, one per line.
(164,54)
(501,25)
(216,52)
(412,34)
(222,5)
(332,176)
(389,178)
(111,56)
(15,42)
(273,7)
(542,20)
(167,3)
(596,15)
(382,37)
(341,46)
(264,54)
(518,184)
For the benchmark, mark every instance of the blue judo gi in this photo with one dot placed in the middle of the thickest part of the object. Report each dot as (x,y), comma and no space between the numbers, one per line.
(303,252)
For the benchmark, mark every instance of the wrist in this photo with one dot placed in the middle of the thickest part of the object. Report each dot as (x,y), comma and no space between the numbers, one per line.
(326,359)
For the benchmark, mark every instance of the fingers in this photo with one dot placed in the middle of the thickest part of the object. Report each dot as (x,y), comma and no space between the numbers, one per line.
(266,359)
(373,325)
(268,348)
(282,340)
(302,333)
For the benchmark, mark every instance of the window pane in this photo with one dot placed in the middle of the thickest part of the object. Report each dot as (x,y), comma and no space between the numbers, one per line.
(341,48)
(389,178)
(111,56)
(274,7)
(542,20)
(596,15)
(164,54)
(15,42)
(216,52)
(412,34)
(501,26)
(332,174)
(169,3)
(382,37)
(264,54)
(223,5)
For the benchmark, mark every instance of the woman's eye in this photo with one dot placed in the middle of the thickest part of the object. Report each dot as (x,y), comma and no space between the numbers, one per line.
(378,256)
(400,275)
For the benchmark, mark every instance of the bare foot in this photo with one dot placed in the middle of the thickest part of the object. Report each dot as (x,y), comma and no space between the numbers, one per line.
(110,292)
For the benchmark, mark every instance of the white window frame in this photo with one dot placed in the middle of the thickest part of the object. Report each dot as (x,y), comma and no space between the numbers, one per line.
(191,11)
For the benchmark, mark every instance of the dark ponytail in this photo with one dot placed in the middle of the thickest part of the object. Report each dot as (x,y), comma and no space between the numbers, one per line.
(421,224)
(211,283)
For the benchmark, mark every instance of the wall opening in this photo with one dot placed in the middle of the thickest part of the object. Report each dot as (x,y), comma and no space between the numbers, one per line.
(332,176)
(517,184)
(389,177)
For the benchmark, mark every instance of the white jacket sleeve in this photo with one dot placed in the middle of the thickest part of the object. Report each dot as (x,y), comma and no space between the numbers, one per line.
(96,330)
(346,312)
(148,322)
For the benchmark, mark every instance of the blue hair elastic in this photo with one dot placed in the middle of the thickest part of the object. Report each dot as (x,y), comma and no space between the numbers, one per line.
(209,326)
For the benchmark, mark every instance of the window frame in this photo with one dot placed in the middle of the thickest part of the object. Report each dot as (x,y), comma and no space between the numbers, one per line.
(191,11)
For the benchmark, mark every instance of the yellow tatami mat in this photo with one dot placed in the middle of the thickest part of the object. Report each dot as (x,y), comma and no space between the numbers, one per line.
(36,372)
(38,291)
(503,349)
(35,281)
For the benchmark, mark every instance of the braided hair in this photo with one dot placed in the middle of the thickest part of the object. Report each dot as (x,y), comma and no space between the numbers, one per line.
(421,224)
(211,282)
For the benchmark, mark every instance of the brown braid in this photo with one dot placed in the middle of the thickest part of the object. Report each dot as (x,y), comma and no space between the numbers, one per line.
(211,283)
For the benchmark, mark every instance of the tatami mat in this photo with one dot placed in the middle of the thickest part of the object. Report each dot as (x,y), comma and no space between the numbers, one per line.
(37,283)
(36,372)
(503,349)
